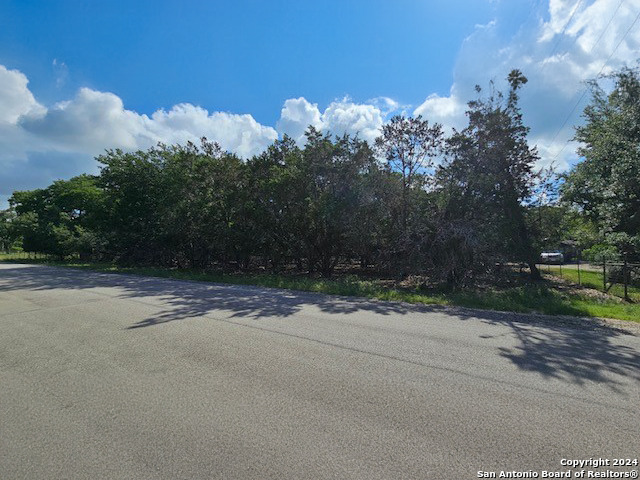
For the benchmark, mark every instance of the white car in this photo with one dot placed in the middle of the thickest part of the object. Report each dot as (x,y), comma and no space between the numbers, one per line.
(555,257)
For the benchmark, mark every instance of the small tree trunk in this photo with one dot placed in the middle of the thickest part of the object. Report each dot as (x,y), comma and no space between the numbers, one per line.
(535,273)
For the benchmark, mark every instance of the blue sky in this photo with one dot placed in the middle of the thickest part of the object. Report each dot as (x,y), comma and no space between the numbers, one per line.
(241,56)
(77,77)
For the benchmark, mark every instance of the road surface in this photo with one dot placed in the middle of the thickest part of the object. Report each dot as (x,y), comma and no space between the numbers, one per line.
(117,376)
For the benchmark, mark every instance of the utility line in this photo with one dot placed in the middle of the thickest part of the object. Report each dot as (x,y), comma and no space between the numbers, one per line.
(586,89)
(607,26)
(564,29)
(575,38)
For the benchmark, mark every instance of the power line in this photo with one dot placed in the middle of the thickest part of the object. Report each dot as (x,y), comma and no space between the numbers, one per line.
(607,26)
(575,38)
(564,29)
(586,89)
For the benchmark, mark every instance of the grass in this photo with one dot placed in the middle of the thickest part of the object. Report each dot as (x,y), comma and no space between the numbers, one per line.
(593,279)
(540,297)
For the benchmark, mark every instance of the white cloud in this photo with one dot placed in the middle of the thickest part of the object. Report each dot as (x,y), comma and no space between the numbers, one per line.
(340,117)
(90,122)
(16,103)
(387,106)
(237,133)
(448,111)
(38,145)
(93,121)
(296,115)
(557,55)
(16,100)
(345,116)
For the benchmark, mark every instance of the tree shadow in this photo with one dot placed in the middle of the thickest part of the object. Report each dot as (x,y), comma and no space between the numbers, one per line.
(577,350)
(184,299)
(573,354)
(573,349)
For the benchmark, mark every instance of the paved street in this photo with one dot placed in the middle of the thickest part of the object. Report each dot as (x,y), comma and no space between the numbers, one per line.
(114,376)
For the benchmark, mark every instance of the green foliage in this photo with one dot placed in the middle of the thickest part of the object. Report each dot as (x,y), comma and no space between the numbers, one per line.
(558,226)
(599,252)
(8,232)
(306,208)
(606,184)
(409,146)
(332,173)
(55,220)
(549,225)
(484,185)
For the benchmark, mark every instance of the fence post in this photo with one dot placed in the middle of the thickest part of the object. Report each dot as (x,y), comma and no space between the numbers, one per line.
(579,282)
(604,273)
(625,271)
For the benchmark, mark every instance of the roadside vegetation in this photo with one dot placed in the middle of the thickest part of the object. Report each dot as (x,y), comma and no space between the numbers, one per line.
(419,216)
(594,280)
(547,296)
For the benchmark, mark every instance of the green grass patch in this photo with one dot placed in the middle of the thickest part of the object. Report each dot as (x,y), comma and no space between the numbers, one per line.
(593,279)
(541,297)
(544,298)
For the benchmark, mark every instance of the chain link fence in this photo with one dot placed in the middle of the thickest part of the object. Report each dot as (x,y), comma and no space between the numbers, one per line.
(625,275)
(619,278)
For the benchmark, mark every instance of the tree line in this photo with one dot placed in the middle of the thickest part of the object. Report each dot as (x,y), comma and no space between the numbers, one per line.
(417,201)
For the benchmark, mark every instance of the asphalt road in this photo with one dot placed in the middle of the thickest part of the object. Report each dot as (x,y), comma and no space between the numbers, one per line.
(117,376)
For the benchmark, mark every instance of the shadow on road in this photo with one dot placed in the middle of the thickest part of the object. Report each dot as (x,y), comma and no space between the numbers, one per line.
(578,351)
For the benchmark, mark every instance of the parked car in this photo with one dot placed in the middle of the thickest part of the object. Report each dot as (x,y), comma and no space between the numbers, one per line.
(554,257)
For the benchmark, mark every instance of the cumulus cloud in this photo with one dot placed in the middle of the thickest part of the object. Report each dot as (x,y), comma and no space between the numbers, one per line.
(16,103)
(240,134)
(90,122)
(558,48)
(448,111)
(388,106)
(16,100)
(345,116)
(93,121)
(296,115)
(39,144)
(341,116)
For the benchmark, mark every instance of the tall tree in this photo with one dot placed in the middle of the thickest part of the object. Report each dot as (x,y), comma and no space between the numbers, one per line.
(8,233)
(276,204)
(60,219)
(203,188)
(133,214)
(331,171)
(606,184)
(409,146)
(488,178)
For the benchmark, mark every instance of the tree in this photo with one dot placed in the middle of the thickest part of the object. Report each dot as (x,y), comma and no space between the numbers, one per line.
(179,205)
(60,219)
(605,186)
(134,205)
(203,221)
(276,204)
(330,172)
(8,232)
(409,146)
(484,184)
